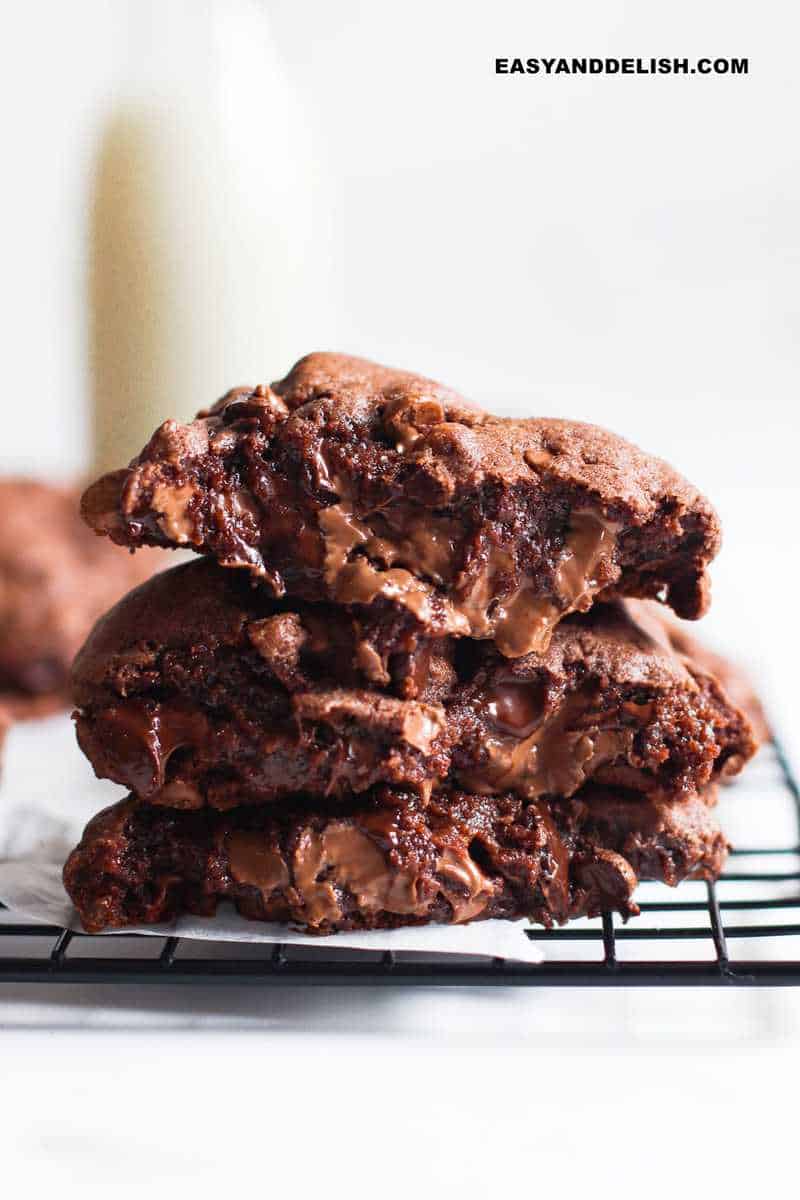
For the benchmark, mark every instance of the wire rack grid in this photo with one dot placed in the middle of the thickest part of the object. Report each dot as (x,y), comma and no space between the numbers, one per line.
(743,930)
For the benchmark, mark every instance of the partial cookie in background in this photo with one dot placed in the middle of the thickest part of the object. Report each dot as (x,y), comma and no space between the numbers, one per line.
(357,484)
(394,861)
(5,723)
(200,689)
(56,579)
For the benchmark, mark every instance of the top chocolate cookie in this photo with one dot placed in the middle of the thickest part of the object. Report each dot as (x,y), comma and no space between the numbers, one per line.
(360,484)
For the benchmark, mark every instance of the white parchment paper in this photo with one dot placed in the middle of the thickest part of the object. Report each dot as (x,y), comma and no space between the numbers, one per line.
(47,795)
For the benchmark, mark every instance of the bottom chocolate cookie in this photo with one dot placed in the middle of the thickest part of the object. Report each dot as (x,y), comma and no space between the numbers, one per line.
(397,861)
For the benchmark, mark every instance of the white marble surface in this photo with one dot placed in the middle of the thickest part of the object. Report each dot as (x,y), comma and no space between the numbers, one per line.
(354,1094)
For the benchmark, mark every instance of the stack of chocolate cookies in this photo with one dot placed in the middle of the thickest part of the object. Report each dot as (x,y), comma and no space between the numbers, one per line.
(419,675)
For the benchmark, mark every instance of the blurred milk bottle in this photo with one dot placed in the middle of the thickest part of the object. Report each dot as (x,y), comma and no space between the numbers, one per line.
(208,252)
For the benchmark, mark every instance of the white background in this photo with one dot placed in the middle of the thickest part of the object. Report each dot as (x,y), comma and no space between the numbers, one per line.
(194,195)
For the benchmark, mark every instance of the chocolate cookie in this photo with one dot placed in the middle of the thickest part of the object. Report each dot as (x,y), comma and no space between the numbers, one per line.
(55,581)
(358,484)
(395,862)
(733,678)
(199,689)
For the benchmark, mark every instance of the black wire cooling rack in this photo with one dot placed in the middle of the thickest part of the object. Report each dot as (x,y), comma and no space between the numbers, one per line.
(737,932)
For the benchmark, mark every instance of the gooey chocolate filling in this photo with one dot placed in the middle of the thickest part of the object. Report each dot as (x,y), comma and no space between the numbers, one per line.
(394,861)
(511,736)
(250,705)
